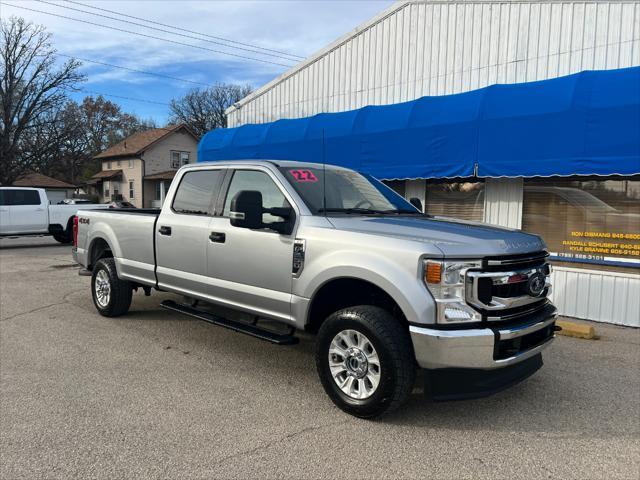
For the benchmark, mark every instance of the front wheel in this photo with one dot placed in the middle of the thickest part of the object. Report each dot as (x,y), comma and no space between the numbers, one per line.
(111,295)
(365,361)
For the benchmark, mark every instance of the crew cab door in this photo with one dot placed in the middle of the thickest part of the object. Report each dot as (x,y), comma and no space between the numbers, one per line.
(251,269)
(182,232)
(26,211)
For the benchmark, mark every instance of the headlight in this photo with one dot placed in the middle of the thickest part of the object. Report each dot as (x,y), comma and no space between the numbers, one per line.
(445,281)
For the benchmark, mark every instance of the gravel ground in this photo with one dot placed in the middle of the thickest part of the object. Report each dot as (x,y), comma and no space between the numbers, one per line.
(155,394)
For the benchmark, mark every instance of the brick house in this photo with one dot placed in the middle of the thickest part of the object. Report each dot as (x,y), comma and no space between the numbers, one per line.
(140,168)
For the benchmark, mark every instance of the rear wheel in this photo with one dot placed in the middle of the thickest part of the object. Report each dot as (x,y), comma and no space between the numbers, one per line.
(365,361)
(111,295)
(62,238)
(65,236)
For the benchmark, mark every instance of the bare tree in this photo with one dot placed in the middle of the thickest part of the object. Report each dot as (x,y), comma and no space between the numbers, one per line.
(203,109)
(105,124)
(32,90)
(83,130)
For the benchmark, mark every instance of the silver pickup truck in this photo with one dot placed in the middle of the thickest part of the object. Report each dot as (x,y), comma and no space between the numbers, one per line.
(388,291)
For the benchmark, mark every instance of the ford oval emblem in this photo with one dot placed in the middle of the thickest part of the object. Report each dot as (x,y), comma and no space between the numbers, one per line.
(535,285)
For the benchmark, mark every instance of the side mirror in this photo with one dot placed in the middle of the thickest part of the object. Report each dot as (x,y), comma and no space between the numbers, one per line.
(416,203)
(246,209)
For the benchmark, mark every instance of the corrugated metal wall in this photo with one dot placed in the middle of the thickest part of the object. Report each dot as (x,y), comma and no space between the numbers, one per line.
(437,48)
(595,295)
(503,202)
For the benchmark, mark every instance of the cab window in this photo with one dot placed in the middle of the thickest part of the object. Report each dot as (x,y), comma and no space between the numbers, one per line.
(258,181)
(20,197)
(195,192)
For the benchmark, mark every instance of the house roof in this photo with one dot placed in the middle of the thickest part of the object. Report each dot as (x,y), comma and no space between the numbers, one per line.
(107,174)
(39,180)
(166,175)
(139,142)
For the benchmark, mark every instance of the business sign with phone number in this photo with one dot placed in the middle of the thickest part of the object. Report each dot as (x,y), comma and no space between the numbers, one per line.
(604,248)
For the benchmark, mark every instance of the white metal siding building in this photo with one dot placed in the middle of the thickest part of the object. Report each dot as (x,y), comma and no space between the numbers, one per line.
(429,48)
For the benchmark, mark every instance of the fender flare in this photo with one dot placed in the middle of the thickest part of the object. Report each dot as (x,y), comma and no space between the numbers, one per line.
(411,297)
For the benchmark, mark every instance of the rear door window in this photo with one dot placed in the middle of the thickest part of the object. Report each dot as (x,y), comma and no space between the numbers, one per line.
(196,192)
(23,197)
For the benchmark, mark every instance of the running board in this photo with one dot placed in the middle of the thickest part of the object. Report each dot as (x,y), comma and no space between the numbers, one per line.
(252,330)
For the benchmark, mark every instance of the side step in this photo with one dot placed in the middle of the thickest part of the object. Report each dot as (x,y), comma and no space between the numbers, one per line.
(254,331)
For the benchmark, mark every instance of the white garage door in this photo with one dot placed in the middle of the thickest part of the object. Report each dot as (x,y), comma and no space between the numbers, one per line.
(56,196)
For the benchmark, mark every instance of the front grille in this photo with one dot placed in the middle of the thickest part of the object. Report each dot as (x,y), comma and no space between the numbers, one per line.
(514,261)
(508,287)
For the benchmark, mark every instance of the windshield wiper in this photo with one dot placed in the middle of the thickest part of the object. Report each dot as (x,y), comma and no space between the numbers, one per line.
(370,211)
(404,211)
(351,210)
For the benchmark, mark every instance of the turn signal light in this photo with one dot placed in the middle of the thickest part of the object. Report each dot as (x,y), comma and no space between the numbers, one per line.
(433,272)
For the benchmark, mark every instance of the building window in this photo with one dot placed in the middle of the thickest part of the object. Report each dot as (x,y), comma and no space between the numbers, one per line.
(588,222)
(462,200)
(106,190)
(109,165)
(118,163)
(175,159)
(159,189)
(131,190)
(179,158)
(131,163)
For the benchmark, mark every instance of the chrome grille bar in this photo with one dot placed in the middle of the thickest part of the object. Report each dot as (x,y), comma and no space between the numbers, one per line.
(505,293)
(514,261)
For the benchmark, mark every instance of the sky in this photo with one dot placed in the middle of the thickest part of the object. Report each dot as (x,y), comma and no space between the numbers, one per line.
(290,30)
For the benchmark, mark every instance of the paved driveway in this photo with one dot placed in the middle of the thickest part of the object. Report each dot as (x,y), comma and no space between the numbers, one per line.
(161,395)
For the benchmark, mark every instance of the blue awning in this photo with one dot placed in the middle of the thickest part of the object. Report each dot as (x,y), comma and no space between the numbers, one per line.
(582,124)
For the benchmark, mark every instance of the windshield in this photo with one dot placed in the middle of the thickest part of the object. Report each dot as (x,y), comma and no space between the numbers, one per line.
(346,191)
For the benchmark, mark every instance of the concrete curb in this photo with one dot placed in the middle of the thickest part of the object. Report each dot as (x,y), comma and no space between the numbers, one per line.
(576,330)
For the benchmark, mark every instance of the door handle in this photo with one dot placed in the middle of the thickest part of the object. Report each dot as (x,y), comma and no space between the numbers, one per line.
(164,230)
(217,237)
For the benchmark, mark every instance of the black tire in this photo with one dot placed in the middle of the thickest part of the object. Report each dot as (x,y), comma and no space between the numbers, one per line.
(120,292)
(62,238)
(393,345)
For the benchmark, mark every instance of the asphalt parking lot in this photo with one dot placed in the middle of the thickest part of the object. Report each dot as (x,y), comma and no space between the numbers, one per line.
(154,394)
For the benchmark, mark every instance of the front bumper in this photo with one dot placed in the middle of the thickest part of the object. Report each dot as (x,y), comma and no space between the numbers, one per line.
(493,347)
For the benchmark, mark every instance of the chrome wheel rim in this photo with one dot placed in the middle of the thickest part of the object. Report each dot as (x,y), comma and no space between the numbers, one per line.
(354,364)
(102,288)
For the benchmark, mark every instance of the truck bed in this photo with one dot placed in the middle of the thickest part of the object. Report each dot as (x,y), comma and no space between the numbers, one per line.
(129,211)
(130,233)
